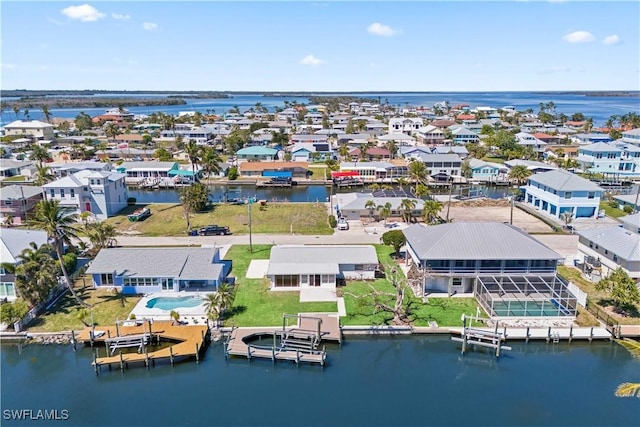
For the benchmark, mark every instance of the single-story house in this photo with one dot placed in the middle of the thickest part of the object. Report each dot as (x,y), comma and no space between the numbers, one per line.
(257,153)
(607,248)
(258,169)
(352,205)
(293,267)
(149,270)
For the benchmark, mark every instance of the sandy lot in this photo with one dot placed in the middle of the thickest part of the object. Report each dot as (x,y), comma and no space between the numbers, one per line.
(490,210)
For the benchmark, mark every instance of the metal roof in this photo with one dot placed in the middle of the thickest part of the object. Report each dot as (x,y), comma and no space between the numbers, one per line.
(562,180)
(19,192)
(289,259)
(476,241)
(13,241)
(185,263)
(617,240)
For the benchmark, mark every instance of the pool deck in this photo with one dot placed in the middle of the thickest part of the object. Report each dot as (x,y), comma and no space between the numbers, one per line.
(191,340)
(188,314)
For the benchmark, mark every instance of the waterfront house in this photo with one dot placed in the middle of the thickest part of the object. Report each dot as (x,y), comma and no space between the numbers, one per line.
(308,138)
(18,202)
(488,172)
(559,191)
(604,249)
(406,125)
(441,166)
(103,193)
(352,206)
(631,136)
(12,242)
(257,153)
(399,138)
(149,270)
(371,154)
(305,151)
(460,150)
(526,139)
(509,272)
(409,152)
(605,159)
(300,267)
(69,168)
(137,172)
(532,165)
(283,169)
(32,129)
(376,171)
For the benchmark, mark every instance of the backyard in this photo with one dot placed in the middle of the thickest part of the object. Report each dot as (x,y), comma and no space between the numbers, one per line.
(275,218)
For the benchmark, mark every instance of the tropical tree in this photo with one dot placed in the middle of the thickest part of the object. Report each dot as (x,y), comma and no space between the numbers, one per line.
(59,224)
(162,155)
(422,191)
(111,130)
(394,238)
(35,274)
(43,175)
(11,312)
(101,235)
(519,174)
(210,161)
(392,146)
(629,389)
(83,121)
(406,207)
(343,151)
(622,288)
(46,113)
(16,111)
(566,217)
(26,114)
(417,172)
(217,303)
(193,198)
(385,211)
(431,210)
(39,154)
(371,205)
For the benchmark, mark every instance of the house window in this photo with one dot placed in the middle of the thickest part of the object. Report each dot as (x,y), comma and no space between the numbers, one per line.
(52,192)
(7,202)
(286,280)
(73,192)
(615,258)
(567,195)
(106,279)
(592,195)
(62,193)
(7,290)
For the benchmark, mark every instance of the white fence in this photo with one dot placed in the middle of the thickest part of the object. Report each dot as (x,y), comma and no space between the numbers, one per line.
(579,294)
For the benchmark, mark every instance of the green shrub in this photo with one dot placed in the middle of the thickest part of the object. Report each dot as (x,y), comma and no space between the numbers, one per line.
(131,200)
(70,262)
(613,204)
(232,175)
(333,222)
(628,209)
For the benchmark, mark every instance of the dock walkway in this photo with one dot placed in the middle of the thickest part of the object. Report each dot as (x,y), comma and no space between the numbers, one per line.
(189,342)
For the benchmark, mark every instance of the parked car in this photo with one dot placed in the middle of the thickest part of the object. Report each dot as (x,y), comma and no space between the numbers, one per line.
(214,230)
(343,224)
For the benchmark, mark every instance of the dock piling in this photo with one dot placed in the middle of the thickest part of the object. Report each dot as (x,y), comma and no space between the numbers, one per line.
(197,354)
(171,355)
(527,337)
(549,334)
(570,333)
(121,362)
(73,340)
(591,335)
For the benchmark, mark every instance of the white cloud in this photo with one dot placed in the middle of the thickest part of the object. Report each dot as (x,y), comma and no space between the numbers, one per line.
(149,26)
(311,60)
(579,37)
(556,69)
(83,13)
(612,39)
(379,29)
(120,17)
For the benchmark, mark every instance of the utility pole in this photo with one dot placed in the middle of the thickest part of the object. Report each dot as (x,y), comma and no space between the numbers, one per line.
(450,191)
(513,201)
(250,237)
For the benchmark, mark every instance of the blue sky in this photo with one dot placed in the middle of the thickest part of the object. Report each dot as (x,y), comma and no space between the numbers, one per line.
(321,46)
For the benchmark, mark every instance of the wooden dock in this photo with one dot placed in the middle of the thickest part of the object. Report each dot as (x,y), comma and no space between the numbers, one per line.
(189,340)
(297,343)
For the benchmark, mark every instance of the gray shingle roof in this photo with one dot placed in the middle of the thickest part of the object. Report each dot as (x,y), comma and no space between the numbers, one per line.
(562,180)
(18,192)
(475,241)
(616,240)
(185,263)
(13,241)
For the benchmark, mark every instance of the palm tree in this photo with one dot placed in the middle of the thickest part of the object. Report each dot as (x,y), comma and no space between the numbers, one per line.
(519,174)
(16,111)
(194,153)
(101,235)
(217,303)
(46,113)
(59,224)
(343,151)
(392,146)
(407,206)
(431,210)
(39,153)
(566,217)
(629,389)
(385,211)
(422,191)
(371,205)
(210,161)
(43,175)
(111,130)
(417,172)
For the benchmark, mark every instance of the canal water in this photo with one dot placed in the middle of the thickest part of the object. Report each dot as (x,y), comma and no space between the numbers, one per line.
(391,381)
(297,193)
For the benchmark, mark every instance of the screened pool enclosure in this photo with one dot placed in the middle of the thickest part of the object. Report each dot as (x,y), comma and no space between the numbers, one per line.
(525,296)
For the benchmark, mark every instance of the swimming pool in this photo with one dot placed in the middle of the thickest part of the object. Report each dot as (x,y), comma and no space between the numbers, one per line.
(167,303)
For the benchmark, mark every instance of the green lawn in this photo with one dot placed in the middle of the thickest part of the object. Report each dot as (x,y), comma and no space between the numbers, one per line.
(612,212)
(107,307)
(277,218)
(499,160)
(254,304)
(600,298)
(318,172)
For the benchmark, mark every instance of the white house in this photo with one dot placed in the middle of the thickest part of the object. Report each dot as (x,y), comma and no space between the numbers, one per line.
(527,140)
(462,135)
(605,249)
(102,193)
(430,135)
(375,171)
(295,267)
(34,129)
(441,166)
(559,191)
(406,125)
(606,159)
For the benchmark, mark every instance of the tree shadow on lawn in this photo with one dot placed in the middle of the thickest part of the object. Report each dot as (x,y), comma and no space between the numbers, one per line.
(624,311)
(234,311)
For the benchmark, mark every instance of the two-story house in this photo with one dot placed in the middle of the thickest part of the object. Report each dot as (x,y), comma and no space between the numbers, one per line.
(430,135)
(102,193)
(488,172)
(606,159)
(559,191)
(18,201)
(32,129)
(406,125)
(441,166)
(12,242)
(462,135)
